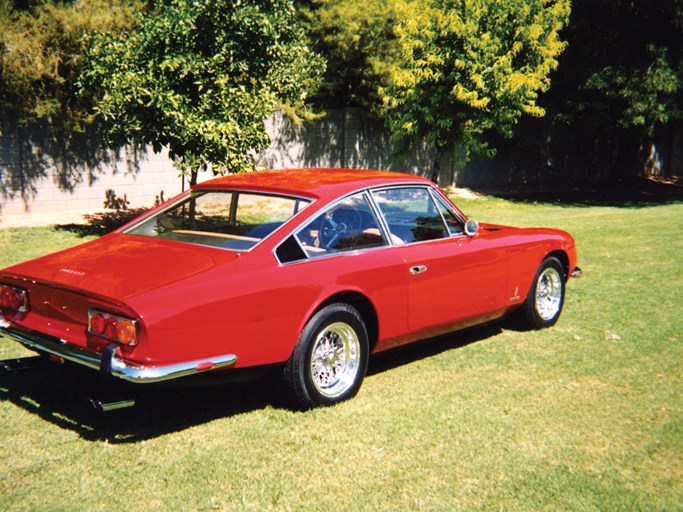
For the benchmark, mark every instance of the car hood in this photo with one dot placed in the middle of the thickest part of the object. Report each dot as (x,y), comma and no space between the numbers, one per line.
(118,266)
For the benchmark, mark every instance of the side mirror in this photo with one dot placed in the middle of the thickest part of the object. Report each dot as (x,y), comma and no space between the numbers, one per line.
(471,228)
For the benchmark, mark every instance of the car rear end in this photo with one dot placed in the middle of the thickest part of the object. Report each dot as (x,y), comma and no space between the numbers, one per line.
(66,324)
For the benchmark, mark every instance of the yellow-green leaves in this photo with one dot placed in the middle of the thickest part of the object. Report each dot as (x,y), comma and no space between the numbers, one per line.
(357,38)
(40,56)
(480,64)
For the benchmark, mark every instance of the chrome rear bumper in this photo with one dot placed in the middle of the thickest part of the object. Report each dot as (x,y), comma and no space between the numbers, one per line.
(110,361)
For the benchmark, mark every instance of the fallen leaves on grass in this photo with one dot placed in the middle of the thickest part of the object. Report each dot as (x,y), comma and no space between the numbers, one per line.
(612,336)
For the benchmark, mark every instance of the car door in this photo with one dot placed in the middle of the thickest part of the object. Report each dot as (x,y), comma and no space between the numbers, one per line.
(453,280)
(345,249)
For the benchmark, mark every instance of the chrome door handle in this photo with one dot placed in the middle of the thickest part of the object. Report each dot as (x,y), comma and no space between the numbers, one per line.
(418,269)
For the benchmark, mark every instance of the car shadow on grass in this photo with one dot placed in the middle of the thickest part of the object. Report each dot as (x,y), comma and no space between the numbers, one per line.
(64,395)
(61,394)
(385,361)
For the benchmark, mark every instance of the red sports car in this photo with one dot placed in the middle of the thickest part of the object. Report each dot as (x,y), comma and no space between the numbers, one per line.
(311,270)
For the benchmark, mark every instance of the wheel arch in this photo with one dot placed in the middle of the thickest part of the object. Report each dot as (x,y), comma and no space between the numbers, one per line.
(564,260)
(365,308)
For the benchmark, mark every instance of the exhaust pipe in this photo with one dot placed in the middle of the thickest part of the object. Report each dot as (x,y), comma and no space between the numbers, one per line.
(102,406)
(22,364)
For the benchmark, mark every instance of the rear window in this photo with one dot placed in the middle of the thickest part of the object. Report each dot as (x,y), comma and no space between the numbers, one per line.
(226,219)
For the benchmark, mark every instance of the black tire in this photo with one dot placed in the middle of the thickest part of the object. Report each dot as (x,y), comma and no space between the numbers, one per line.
(545,300)
(330,359)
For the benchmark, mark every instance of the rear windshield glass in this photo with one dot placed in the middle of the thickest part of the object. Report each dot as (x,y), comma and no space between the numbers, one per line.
(225,219)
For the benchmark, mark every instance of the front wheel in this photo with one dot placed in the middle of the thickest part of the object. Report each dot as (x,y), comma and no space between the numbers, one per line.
(544,302)
(330,358)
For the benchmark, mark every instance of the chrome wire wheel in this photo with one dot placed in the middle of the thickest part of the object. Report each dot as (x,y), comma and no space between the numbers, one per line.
(335,359)
(549,293)
(330,358)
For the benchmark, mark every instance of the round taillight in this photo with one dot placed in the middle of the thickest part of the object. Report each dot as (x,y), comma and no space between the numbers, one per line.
(111,328)
(15,299)
(11,299)
(97,324)
(116,328)
(5,299)
(127,332)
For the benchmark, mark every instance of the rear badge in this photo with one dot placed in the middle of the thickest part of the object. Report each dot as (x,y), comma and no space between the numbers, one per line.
(72,272)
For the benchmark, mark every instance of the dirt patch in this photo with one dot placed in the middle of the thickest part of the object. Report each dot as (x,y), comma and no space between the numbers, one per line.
(27,220)
(462,193)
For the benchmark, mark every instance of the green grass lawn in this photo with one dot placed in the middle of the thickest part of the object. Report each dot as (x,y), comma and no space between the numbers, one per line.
(587,415)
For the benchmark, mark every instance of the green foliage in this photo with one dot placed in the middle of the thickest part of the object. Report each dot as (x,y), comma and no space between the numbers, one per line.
(645,98)
(652,98)
(40,57)
(200,77)
(467,67)
(623,68)
(356,37)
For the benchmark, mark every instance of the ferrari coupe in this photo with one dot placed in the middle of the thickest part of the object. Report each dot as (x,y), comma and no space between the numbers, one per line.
(306,272)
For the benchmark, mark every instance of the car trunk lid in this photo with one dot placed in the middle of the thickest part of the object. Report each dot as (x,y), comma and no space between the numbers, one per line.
(117,266)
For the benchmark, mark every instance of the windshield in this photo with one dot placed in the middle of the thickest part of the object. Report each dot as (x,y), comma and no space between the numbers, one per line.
(226,219)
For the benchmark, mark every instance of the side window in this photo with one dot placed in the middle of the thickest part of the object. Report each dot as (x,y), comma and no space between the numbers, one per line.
(411,214)
(348,225)
(455,224)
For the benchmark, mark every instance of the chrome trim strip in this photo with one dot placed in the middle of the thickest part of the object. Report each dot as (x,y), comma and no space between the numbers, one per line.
(383,226)
(111,362)
(51,345)
(439,200)
(144,374)
(577,272)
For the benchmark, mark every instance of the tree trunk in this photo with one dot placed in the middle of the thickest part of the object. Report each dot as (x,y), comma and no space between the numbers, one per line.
(193,206)
(193,177)
(436,166)
(628,144)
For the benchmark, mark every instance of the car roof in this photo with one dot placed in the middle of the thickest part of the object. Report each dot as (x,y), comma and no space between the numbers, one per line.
(315,183)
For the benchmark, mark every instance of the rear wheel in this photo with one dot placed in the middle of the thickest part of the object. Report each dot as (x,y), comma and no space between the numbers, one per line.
(329,360)
(544,302)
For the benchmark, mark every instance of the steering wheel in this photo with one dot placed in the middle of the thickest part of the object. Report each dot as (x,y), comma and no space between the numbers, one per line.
(338,223)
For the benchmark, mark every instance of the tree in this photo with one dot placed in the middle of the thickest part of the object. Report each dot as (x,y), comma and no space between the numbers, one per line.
(44,123)
(619,85)
(200,77)
(469,67)
(356,37)
(41,52)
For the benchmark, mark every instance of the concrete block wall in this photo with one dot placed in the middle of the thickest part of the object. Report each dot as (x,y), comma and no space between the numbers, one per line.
(140,183)
(35,178)
(343,138)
